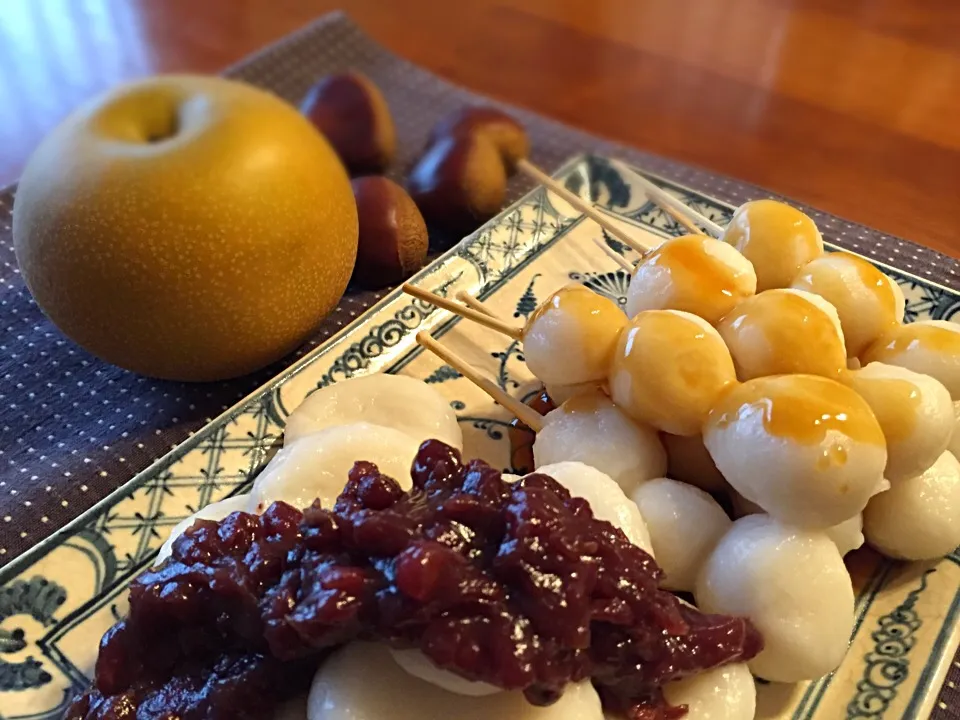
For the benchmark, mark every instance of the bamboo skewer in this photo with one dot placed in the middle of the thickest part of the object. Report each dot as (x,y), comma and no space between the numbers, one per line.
(586,208)
(665,199)
(471,302)
(617,258)
(463,311)
(683,220)
(525,414)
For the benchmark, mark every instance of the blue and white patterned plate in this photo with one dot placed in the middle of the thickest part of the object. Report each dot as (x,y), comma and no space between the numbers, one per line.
(58,599)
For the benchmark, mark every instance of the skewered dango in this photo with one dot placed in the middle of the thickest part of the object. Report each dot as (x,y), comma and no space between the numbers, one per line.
(693,273)
(607,500)
(793,585)
(668,369)
(808,450)
(931,347)
(572,335)
(918,518)
(914,412)
(685,524)
(776,238)
(868,302)
(784,331)
(590,429)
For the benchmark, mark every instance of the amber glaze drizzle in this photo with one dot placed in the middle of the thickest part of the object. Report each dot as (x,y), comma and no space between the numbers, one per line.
(800,337)
(895,402)
(914,336)
(803,409)
(703,284)
(777,238)
(676,368)
(824,278)
(600,317)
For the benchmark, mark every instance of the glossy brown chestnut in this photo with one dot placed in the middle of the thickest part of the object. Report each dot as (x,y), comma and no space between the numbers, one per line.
(393,236)
(459,183)
(353,115)
(502,129)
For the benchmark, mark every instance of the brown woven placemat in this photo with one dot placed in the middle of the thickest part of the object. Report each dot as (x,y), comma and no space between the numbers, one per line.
(73,428)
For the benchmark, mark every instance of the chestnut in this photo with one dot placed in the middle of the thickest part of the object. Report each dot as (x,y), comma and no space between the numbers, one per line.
(502,129)
(459,183)
(393,236)
(353,115)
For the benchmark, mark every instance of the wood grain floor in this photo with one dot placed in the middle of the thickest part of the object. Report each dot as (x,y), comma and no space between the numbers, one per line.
(851,106)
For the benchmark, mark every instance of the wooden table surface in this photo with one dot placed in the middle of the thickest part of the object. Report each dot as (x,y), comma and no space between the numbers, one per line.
(850,106)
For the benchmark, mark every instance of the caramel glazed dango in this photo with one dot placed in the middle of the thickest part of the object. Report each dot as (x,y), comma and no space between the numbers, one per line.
(783,377)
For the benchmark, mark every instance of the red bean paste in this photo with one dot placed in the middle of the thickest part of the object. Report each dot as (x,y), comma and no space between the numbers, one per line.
(516,585)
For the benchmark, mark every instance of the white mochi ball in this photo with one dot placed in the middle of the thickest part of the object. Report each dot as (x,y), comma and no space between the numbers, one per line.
(918,518)
(929,347)
(590,429)
(361,681)
(395,401)
(685,524)
(414,662)
(607,500)
(571,337)
(693,273)
(723,693)
(214,511)
(954,446)
(806,449)
(848,535)
(793,586)
(914,411)
(316,466)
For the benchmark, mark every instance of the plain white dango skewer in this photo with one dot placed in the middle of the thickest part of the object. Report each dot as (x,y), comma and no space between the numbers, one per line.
(668,369)
(930,347)
(914,411)
(214,511)
(685,524)
(568,339)
(868,302)
(807,449)
(398,401)
(793,586)
(316,466)
(590,429)
(918,518)
(342,690)
(693,273)
(607,500)
(784,331)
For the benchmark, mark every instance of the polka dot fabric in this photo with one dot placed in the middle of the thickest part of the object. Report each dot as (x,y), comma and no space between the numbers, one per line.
(72,428)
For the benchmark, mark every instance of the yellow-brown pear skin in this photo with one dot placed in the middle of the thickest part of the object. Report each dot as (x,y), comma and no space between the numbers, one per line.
(186,227)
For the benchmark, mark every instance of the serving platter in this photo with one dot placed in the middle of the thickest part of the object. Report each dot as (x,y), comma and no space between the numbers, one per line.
(57,599)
